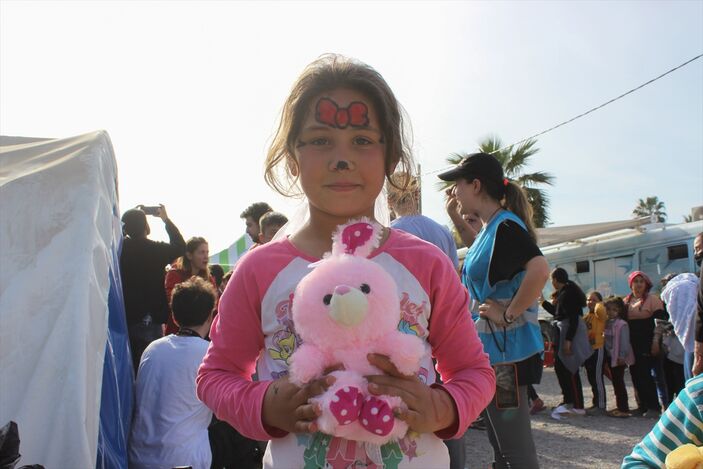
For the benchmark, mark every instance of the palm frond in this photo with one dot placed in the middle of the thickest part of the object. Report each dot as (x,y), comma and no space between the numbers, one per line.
(539,177)
(519,157)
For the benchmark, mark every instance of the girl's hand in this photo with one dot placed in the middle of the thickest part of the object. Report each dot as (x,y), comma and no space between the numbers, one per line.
(620,362)
(492,311)
(429,409)
(286,405)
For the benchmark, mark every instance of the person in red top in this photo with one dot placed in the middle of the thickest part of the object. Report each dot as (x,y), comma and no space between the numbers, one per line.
(194,262)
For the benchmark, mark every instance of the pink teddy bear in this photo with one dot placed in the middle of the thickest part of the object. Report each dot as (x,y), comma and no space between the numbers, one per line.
(346,308)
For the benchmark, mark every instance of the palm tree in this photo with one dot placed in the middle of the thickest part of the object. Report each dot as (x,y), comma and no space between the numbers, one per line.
(514,161)
(651,206)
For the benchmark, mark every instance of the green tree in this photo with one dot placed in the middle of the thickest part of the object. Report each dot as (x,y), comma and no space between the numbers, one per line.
(514,160)
(650,206)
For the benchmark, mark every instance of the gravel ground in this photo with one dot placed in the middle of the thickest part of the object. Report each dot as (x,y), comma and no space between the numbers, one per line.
(578,442)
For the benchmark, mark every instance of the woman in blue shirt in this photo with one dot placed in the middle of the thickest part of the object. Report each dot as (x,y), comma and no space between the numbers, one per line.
(505,272)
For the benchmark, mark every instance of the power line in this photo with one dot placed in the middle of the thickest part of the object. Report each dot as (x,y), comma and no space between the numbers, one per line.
(583,113)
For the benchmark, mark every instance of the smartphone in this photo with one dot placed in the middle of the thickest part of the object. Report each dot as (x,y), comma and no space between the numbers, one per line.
(507,393)
(151,210)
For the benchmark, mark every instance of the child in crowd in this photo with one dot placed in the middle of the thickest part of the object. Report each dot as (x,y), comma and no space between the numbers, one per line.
(595,322)
(618,352)
(270,223)
(170,425)
(340,136)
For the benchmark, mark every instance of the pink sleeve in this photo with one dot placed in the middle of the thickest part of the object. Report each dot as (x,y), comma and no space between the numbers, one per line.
(224,379)
(461,361)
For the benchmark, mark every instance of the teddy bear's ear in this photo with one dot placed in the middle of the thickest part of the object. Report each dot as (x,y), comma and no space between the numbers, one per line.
(357,237)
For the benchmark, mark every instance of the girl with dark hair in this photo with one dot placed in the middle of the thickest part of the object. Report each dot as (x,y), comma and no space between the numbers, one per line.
(572,347)
(642,309)
(193,263)
(505,272)
(618,352)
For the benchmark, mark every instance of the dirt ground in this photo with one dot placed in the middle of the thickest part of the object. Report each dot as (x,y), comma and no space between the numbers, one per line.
(578,442)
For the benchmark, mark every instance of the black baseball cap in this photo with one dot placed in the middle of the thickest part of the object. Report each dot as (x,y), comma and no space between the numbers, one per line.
(473,166)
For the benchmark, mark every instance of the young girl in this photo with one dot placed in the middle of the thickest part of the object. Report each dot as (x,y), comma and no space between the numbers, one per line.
(595,321)
(339,137)
(505,271)
(618,353)
(193,262)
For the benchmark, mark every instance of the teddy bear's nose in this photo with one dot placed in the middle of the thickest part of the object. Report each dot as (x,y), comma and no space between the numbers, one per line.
(348,306)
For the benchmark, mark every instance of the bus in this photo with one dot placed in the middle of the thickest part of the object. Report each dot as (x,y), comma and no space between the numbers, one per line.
(603,262)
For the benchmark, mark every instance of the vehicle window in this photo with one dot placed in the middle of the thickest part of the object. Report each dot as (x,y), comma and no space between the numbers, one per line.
(662,260)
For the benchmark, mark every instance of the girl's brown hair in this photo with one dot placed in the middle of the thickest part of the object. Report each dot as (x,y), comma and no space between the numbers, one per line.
(184,263)
(512,197)
(617,303)
(327,73)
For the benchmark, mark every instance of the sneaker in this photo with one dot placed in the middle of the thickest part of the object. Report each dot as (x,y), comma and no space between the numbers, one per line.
(576,411)
(557,415)
(618,414)
(562,409)
(652,414)
(537,406)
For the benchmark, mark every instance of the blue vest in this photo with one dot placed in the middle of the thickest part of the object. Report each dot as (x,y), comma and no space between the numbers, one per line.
(522,338)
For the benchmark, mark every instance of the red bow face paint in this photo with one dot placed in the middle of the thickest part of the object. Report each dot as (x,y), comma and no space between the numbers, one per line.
(329,113)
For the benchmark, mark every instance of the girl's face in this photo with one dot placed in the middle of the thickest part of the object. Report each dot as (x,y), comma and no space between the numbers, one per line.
(341,155)
(199,258)
(591,302)
(612,312)
(467,195)
(638,286)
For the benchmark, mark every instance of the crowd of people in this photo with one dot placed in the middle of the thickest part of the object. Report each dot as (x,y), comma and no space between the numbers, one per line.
(211,348)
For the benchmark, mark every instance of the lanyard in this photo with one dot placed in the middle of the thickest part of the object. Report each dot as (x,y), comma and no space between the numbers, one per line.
(505,338)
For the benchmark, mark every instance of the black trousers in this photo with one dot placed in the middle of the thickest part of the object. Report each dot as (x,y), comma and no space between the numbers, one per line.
(594,372)
(570,384)
(230,449)
(643,382)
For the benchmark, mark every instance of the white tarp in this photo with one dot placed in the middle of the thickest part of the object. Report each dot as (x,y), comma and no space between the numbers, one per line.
(57,230)
(561,234)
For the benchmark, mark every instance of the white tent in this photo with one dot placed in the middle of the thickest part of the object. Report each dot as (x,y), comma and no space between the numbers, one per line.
(60,234)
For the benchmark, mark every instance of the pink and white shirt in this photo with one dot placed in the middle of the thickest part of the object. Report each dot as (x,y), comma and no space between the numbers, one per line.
(254,332)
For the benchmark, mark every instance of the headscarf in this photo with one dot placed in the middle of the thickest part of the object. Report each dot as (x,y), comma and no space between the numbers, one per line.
(647,285)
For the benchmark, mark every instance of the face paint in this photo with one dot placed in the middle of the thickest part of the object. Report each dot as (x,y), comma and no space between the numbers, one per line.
(342,165)
(327,112)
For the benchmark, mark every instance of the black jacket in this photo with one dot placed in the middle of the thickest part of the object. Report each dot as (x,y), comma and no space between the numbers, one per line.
(143,268)
(570,302)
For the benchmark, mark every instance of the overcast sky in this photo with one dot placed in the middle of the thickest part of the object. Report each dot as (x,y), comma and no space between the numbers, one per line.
(190,93)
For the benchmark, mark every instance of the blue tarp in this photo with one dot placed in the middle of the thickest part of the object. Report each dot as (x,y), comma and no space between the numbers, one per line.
(118,379)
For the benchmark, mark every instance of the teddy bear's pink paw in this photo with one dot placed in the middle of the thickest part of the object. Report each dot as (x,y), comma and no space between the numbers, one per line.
(376,416)
(346,404)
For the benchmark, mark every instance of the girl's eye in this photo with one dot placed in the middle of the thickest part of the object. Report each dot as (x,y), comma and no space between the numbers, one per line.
(362,141)
(319,141)
(327,299)
(365,288)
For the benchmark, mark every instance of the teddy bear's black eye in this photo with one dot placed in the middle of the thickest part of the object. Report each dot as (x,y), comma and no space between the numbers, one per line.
(365,288)
(326,300)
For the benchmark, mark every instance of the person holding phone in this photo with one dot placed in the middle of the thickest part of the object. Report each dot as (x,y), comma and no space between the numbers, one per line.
(505,272)
(142,268)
